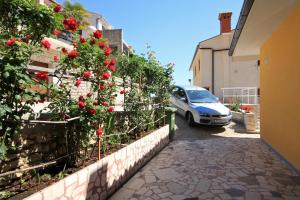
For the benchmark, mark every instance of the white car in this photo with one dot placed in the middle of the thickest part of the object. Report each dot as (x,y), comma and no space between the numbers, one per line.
(200,106)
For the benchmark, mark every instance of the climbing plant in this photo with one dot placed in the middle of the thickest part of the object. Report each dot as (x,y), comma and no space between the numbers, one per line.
(146,85)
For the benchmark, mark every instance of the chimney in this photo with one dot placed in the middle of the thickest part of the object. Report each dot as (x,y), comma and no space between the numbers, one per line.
(225,22)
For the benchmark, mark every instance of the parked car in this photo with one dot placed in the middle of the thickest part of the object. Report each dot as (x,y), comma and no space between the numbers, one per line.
(199,106)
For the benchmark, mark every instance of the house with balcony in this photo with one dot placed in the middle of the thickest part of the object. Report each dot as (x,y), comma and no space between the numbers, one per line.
(269,31)
(213,68)
(96,22)
(113,35)
(44,61)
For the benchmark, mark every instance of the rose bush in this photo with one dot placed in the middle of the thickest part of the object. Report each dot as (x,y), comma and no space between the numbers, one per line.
(85,61)
(23,26)
(145,80)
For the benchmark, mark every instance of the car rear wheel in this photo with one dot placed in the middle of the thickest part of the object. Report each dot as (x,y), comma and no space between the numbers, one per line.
(190,119)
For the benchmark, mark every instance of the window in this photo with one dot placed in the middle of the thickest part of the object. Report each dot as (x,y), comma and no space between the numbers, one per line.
(175,91)
(181,93)
(178,93)
(201,96)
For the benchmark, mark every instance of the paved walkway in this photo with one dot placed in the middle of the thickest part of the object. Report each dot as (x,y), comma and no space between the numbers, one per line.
(212,163)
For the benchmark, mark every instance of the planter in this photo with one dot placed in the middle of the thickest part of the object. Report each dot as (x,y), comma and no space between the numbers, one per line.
(103,178)
(249,121)
(237,117)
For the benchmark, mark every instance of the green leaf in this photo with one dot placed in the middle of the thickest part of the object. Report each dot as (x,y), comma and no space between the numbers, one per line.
(6,74)
(3,150)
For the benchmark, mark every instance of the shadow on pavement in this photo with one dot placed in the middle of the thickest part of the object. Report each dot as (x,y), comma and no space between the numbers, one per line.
(197,132)
(202,132)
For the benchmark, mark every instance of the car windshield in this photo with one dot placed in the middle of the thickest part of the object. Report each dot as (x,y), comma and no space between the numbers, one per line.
(201,96)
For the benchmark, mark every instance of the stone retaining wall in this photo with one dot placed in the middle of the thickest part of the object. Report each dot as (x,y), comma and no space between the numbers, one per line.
(37,143)
(103,178)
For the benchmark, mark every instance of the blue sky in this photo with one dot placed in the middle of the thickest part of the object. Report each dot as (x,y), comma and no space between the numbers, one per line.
(172,28)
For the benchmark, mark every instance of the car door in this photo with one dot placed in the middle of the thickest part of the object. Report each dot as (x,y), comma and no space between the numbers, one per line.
(181,99)
(174,97)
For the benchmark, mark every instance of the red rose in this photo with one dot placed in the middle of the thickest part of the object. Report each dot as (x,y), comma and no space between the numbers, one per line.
(64,50)
(92,41)
(92,111)
(80,98)
(10,41)
(113,61)
(81,105)
(107,51)
(111,85)
(99,132)
(41,76)
(122,92)
(56,32)
(42,100)
(75,44)
(27,38)
(82,39)
(57,8)
(70,24)
(101,45)
(96,103)
(110,109)
(105,75)
(106,62)
(104,103)
(46,44)
(97,34)
(102,86)
(56,58)
(112,68)
(77,82)
(72,54)
(89,94)
(87,74)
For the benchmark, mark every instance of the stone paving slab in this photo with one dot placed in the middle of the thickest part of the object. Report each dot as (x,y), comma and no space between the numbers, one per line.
(212,163)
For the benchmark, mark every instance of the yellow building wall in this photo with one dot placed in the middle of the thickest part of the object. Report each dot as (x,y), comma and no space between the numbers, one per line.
(280,89)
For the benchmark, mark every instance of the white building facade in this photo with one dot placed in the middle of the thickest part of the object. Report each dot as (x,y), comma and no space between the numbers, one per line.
(214,69)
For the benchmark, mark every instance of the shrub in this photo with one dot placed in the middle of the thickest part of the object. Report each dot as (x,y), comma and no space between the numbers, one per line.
(23,24)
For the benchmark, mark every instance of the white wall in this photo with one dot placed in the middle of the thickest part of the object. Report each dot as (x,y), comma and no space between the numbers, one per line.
(242,72)
(206,68)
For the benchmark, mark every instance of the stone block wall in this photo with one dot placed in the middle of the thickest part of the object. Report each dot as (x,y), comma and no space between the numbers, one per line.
(85,87)
(36,144)
(103,178)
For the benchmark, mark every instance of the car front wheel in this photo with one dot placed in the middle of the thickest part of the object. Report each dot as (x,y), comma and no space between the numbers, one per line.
(190,119)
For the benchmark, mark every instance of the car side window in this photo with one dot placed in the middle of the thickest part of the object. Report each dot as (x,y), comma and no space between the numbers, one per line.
(175,92)
(181,93)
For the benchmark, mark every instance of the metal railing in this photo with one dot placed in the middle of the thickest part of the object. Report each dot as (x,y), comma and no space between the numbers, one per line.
(243,95)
